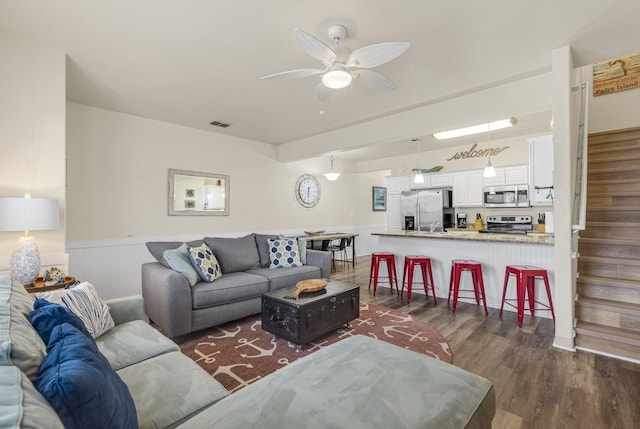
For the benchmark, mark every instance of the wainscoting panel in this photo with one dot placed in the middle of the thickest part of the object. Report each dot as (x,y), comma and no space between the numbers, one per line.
(113,266)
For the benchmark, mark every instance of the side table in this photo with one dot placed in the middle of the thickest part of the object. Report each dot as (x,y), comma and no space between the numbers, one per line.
(40,285)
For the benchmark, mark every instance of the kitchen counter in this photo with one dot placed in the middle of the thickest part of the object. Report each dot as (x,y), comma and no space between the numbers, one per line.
(461,234)
(493,251)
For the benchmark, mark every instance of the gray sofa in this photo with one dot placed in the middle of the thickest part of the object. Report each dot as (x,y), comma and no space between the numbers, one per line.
(178,308)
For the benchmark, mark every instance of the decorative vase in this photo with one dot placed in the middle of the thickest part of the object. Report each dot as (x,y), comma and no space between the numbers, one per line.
(25,261)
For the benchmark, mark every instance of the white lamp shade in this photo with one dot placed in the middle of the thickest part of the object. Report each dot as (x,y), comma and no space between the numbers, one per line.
(28,214)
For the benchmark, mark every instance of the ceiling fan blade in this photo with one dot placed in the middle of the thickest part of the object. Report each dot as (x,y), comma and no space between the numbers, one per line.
(375,55)
(291,74)
(322,92)
(374,80)
(315,47)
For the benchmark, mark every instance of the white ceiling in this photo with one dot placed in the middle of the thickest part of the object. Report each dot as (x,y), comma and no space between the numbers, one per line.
(194,61)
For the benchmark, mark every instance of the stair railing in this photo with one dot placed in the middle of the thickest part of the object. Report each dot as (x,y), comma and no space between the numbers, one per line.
(580,186)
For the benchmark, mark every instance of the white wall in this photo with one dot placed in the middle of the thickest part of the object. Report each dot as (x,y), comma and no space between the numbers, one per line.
(118,180)
(32,136)
(118,193)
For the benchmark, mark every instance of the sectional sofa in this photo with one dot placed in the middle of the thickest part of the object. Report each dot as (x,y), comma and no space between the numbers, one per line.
(162,387)
(355,383)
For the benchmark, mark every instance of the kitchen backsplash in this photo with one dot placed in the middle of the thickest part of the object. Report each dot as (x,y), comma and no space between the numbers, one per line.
(485,211)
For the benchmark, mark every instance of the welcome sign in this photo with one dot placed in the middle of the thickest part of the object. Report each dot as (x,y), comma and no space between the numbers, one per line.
(479,153)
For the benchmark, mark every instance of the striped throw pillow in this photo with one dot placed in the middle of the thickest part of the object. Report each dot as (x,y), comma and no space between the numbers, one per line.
(84,302)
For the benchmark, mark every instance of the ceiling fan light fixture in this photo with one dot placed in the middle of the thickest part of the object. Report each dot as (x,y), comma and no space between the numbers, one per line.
(476,129)
(336,78)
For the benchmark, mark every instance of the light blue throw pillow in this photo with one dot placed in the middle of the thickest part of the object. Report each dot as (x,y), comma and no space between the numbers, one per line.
(179,260)
(302,247)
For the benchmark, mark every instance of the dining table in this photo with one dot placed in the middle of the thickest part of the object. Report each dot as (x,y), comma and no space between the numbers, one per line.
(326,237)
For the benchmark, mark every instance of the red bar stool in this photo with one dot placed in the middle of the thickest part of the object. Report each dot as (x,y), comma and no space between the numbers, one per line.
(410,263)
(526,276)
(392,277)
(475,268)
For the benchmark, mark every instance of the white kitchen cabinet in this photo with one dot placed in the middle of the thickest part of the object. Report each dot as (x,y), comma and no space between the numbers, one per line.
(433,180)
(516,175)
(497,180)
(441,180)
(475,187)
(541,170)
(467,188)
(397,184)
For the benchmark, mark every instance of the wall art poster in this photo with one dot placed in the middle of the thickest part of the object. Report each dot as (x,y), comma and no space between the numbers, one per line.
(616,74)
(379,199)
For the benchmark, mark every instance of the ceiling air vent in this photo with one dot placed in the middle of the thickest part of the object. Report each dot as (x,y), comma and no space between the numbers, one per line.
(219,124)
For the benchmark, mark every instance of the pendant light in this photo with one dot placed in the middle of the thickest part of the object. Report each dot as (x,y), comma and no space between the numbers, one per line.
(489,171)
(332,175)
(418,178)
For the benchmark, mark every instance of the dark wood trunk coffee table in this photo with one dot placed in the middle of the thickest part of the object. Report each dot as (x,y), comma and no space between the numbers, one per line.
(311,315)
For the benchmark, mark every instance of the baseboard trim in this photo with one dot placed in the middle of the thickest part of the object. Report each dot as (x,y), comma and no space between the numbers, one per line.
(598,352)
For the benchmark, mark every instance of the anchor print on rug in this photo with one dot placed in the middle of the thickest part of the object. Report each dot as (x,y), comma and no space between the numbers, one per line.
(239,353)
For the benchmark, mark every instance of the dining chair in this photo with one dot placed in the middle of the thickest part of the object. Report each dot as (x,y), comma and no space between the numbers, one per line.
(341,250)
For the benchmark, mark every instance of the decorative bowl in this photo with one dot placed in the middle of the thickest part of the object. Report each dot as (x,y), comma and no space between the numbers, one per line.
(314,232)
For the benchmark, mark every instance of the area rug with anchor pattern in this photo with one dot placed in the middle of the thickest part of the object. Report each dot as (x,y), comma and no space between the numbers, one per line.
(239,353)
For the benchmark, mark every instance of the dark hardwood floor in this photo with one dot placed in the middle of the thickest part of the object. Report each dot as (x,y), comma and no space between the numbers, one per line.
(536,385)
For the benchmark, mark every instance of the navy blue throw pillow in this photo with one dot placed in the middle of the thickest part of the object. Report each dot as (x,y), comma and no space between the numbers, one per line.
(81,386)
(47,315)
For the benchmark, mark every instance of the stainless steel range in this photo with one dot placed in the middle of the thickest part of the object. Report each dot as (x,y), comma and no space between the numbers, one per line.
(508,224)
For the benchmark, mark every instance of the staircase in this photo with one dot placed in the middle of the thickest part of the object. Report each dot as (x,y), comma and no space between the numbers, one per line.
(608,286)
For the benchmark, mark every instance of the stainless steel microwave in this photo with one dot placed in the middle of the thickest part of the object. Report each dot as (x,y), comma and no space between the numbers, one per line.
(506,196)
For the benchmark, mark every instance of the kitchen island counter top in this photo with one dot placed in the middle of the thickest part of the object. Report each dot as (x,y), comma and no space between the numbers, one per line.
(458,234)
(493,251)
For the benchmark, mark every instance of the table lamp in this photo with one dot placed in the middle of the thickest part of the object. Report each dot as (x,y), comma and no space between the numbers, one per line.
(27,214)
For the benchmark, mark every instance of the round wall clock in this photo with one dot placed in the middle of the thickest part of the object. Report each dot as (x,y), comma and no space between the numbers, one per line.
(307,191)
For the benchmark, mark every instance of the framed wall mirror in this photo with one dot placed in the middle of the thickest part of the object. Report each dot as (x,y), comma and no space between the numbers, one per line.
(192,193)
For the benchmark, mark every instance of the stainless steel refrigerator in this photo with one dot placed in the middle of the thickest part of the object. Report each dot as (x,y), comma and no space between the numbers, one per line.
(427,209)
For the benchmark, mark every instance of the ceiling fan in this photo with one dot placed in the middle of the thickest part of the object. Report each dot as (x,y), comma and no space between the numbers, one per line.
(341,66)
